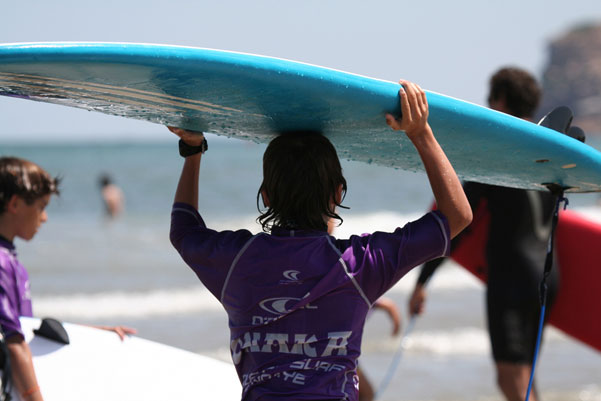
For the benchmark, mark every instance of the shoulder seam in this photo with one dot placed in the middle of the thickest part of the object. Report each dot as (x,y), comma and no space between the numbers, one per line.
(235,261)
(349,275)
(181,209)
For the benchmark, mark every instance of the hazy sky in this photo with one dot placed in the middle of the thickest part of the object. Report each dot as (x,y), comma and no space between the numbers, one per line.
(449,47)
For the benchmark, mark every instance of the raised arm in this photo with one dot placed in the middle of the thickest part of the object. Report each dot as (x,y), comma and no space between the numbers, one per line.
(450,198)
(187,188)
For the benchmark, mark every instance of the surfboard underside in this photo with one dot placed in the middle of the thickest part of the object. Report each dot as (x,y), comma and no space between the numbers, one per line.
(255,97)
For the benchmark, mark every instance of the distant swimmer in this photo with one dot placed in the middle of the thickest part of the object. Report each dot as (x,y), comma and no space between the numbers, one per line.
(112,196)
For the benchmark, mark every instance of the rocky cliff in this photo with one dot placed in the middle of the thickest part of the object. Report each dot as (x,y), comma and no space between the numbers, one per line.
(573,76)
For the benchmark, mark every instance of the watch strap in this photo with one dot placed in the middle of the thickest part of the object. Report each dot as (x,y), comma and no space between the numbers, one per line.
(186,150)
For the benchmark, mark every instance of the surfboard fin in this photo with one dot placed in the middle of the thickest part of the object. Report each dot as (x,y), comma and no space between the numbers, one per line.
(577,133)
(558,119)
(53,330)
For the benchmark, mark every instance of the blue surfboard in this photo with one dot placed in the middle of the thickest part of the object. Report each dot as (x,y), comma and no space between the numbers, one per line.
(255,97)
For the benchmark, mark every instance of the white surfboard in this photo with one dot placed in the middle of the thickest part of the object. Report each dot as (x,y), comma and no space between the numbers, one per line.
(98,366)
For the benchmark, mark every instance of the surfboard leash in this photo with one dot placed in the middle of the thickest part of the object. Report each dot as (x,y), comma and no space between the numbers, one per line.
(558,191)
(396,359)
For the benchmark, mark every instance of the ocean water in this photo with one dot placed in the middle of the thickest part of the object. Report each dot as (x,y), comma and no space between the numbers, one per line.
(85,268)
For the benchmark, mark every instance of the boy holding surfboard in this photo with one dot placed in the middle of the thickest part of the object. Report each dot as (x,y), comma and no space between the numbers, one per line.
(25,191)
(297,298)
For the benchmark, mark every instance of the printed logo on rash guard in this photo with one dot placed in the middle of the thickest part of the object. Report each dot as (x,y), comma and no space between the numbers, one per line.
(282,305)
(279,306)
(291,277)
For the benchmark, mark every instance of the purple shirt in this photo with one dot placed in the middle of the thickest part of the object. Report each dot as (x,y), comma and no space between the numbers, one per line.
(15,297)
(297,300)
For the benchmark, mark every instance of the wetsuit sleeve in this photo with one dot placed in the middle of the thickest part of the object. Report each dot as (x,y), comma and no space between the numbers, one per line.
(474,192)
(208,252)
(9,313)
(380,260)
(428,269)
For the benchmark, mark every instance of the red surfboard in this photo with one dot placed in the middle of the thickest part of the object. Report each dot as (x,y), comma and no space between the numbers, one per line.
(578,252)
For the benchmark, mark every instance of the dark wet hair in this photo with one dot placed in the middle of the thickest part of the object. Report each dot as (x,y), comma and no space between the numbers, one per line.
(518,88)
(301,176)
(25,179)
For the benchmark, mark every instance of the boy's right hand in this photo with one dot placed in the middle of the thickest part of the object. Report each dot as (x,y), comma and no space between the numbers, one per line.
(192,138)
(414,109)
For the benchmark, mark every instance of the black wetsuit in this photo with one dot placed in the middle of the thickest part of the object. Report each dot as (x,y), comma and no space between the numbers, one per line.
(516,249)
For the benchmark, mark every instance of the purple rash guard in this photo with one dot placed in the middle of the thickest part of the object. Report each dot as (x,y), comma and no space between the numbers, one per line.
(297,300)
(15,297)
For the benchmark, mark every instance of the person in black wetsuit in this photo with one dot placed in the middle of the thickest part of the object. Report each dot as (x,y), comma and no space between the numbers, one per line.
(515,252)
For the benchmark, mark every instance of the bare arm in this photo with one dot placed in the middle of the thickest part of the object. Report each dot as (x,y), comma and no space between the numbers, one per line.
(121,331)
(23,374)
(450,198)
(187,188)
(388,306)
(449,195)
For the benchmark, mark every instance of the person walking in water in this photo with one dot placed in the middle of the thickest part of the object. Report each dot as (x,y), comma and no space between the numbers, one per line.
(518,236)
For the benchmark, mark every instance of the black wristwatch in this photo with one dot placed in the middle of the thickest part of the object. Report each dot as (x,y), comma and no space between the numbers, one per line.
(186,150)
